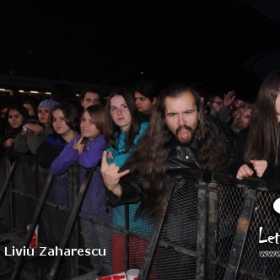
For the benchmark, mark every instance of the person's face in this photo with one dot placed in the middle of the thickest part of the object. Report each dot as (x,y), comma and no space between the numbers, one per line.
(29,109)
(181,116)
(59,123)
(245,118)
(90,99)
(43,115)
(238,103)
(88,127)
(277,107)
(15,119)
(217,103)
(143,103)
(120,112)
(242,118)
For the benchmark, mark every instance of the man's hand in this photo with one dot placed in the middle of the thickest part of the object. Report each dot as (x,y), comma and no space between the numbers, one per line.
(111,175)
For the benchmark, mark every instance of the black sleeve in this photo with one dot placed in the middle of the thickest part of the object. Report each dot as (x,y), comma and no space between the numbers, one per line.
(46,154)
(237,151)
(272,177)
(132,191)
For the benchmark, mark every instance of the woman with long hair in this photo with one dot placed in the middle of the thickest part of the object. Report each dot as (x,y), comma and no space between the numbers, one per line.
(124,133)
(262,151)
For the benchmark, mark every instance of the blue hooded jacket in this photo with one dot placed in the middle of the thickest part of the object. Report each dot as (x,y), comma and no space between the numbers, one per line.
(119,157)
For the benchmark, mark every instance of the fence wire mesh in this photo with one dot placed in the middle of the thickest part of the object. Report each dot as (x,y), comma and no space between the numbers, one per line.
(176,256)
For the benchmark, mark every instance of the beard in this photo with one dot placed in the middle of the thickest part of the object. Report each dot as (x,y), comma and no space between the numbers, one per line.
(184,134)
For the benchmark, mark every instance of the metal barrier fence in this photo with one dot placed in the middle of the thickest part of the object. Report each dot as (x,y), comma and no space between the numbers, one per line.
(210,230)
(23,195)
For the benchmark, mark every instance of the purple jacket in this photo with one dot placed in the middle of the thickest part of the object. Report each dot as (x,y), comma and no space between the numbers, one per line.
(94,203)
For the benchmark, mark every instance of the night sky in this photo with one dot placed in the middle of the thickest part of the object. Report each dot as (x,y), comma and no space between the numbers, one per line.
(214,44)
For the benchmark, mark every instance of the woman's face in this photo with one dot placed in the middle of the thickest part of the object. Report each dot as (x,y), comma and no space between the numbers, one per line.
(59,123)
(88,128)
(15,118)
(43,115)
(120,113)
(277,107)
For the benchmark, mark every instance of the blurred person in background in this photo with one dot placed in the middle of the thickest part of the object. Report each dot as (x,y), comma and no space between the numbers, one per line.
(35,132)
(242,118)
(30,105)
(89,98)
(145,93)
(16,117)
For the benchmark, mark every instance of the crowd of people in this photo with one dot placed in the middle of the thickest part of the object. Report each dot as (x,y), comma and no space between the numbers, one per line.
(139,140)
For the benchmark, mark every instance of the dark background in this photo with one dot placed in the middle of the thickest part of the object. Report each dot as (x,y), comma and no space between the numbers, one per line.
(218,45)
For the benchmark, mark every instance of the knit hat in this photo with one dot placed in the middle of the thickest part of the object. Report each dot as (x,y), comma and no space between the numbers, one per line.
(48,103)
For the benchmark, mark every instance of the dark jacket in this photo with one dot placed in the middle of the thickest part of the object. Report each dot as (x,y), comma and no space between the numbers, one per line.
(272,177)
(47,152)
(50,149)
(181,162)
(9,133)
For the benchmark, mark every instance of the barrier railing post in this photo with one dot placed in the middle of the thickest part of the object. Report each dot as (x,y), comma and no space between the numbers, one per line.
(70,223)
(7,181)
(201,230)
(35,220)
(240,235)
(73,174)
(3,192)
(212,229)
(151,250)
(127,236)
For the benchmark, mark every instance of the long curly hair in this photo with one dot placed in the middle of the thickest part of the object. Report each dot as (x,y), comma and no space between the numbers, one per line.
(150,161)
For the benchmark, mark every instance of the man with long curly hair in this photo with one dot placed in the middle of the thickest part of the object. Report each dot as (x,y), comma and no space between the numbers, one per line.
(180,144)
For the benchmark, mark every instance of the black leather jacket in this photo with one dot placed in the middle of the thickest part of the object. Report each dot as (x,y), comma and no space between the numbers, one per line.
(181,163)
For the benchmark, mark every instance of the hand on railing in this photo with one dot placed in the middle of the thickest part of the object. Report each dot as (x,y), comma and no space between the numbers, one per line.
(257,167)
(250,182)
